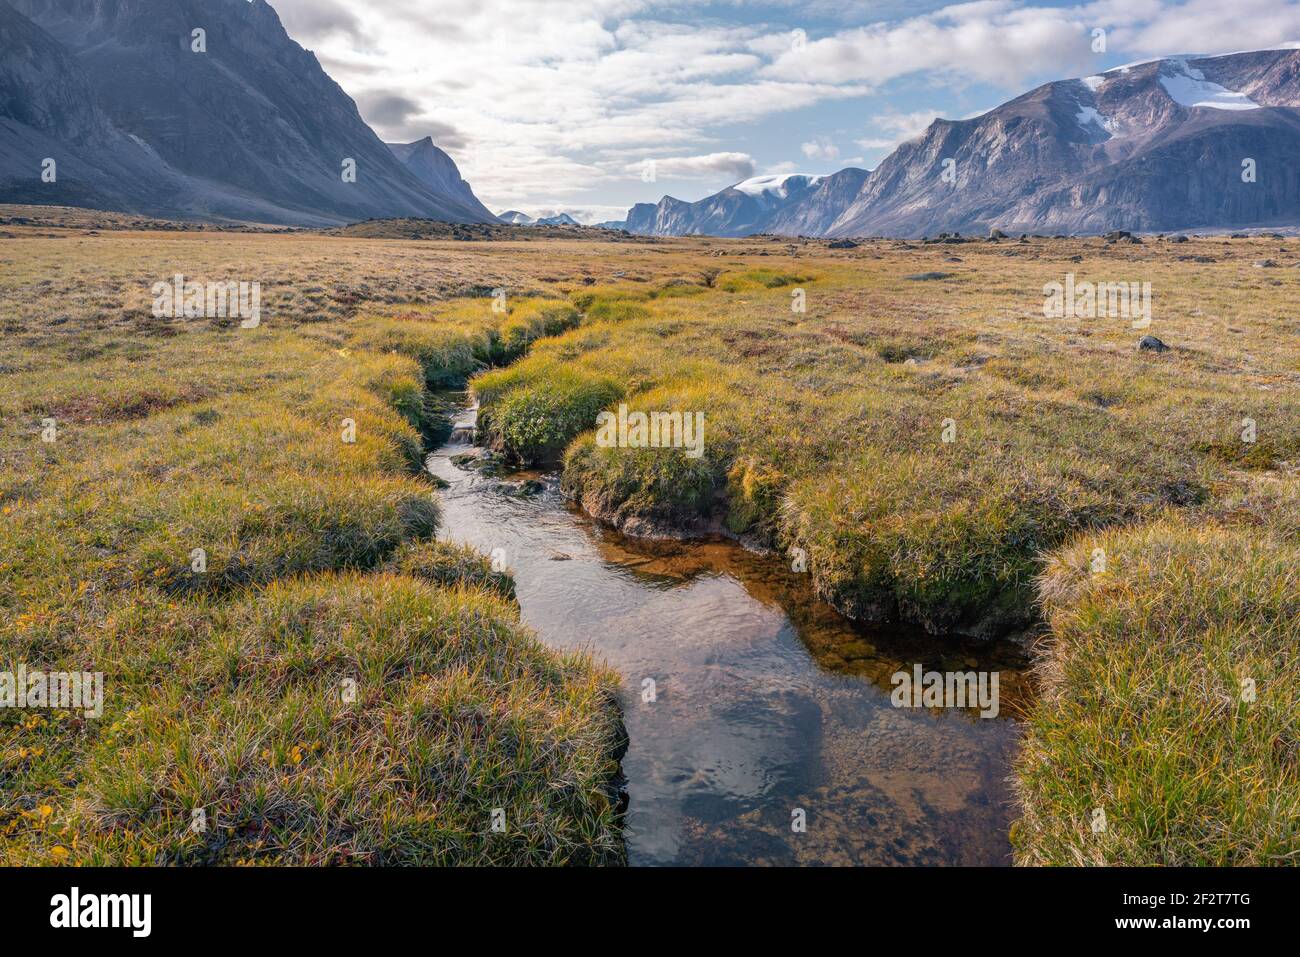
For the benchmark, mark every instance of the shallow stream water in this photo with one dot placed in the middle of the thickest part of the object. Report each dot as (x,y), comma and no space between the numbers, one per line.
(766,701)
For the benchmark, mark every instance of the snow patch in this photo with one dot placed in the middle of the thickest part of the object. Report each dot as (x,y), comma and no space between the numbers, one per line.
(1093,83)
(1188,87)
(777,185)
(1088,116)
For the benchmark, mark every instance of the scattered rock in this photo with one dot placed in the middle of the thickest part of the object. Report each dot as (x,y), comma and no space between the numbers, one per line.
(843,244)
(1151,344)
(927,276)
(996,234)
(1264,264)
(1178,239)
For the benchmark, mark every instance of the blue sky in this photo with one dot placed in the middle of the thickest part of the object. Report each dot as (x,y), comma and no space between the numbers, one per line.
(551,105)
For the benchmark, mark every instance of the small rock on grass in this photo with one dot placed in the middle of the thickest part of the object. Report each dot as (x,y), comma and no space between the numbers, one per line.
(1151,344)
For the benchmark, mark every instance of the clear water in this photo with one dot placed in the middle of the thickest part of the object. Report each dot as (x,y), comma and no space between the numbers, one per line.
(766,701)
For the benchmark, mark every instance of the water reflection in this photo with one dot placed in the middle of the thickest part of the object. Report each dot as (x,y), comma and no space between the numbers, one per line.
(765,701)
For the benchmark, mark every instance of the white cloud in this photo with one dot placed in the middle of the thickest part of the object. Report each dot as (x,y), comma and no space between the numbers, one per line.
(995,41)
(820,149)
(543,102)
(733,166)
(898,128)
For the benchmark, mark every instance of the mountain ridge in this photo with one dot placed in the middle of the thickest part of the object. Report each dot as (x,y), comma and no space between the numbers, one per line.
(1151,146)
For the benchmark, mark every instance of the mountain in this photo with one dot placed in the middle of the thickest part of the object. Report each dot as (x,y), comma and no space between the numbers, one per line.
(250,128)
(438,172)
(512,217)
(48,111)
(1153,146)
(813,213)
(1146,147)
(741,210)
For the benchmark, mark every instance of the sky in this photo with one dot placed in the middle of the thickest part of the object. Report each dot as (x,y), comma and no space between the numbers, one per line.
(550,105)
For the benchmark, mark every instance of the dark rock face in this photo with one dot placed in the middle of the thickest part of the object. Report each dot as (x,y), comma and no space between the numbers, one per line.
(438,172)
(251,128)
(48,111)
(1152,147)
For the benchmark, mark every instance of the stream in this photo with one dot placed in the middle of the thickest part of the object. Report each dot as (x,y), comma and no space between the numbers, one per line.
(766,702)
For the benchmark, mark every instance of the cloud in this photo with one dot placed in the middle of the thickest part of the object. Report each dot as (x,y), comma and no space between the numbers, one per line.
(556,103)
(820,149)
(898,128)
(314,20)
(398,118)
(993,41)
(387,109)
(734,166)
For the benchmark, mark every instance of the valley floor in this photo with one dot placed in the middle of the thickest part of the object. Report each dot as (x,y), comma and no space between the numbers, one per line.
(900,416)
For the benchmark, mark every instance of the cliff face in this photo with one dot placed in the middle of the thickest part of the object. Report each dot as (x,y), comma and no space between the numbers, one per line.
(250,127)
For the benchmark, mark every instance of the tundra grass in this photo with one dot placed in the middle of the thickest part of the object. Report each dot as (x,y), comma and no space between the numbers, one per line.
(1168,732)
(923,468)
(231,527)
(955,459)
(938,450)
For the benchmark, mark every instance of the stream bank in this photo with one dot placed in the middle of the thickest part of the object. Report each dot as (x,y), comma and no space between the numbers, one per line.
(750,707)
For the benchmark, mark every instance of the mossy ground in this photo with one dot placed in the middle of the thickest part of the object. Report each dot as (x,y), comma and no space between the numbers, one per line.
(824,431)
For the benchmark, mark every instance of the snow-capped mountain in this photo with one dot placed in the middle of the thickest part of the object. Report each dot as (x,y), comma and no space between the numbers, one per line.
(1175,143)
(512,217)
(740,210)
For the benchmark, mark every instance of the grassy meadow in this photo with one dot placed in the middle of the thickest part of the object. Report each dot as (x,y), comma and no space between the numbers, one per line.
(902,414)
